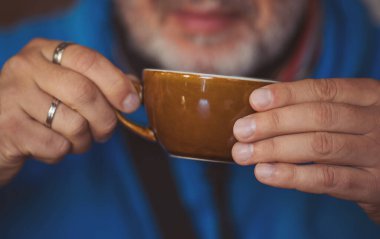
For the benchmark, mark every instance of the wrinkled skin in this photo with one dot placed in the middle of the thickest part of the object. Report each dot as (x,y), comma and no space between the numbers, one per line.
(333,124)
(88,85)
(254,32)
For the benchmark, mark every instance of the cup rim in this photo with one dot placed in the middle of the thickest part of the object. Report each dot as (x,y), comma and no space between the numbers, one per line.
(208,76)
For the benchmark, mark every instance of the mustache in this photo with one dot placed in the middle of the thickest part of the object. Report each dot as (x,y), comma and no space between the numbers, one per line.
(238,7)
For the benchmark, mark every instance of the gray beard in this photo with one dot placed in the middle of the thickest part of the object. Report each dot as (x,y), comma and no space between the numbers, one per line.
(246,55)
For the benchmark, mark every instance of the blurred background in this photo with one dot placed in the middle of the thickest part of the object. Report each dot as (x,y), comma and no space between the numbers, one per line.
(11,12)
(14,11)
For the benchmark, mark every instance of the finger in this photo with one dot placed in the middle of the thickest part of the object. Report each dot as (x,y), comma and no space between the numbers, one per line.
(10,163)
(79,94)
(111,81)
(23,137)
(7,172)
(308,117)
(341,182)
(362,92)
(42,143)
(68,123)
(319,147)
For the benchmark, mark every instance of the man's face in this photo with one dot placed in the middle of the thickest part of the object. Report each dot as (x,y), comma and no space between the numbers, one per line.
(233,37)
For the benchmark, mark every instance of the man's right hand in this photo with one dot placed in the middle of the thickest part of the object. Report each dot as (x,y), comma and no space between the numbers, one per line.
(86,83)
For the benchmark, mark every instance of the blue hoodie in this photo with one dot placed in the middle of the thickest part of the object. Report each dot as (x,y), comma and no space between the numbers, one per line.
(98,194)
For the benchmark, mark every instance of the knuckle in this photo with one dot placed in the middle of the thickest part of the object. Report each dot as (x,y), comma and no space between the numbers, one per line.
(84,59)
(292,177)
(5,122)
(14,64)
(290,95)
(77,127)
(322,144)
(346,183)
(62,148)
(84,92)
(275,120)
(10,155)
(271,147)
(324,89)
(324,115)
(264,151)
(59,147)
(371,83)
(118,88)
(10,94)
(10,122)
(329,179)
(373,188)
(372,210)
(10,152)
(109,126)
(35,42)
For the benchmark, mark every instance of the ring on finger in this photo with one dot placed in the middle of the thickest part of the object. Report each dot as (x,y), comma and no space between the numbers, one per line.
(57,59)
(51,113)
(58,52)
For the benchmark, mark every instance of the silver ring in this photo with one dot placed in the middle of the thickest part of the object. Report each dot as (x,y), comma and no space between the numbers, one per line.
(52,110)
(57,59)
(58,52)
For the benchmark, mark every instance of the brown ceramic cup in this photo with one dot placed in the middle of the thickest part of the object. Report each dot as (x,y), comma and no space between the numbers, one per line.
(192,115)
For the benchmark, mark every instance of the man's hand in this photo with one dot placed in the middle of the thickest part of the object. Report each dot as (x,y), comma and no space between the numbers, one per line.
(316,136)
(86,83)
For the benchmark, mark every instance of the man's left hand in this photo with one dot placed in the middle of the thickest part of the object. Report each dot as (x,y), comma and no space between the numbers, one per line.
(316,136)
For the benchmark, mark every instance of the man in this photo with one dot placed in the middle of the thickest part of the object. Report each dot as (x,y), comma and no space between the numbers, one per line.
(331,125)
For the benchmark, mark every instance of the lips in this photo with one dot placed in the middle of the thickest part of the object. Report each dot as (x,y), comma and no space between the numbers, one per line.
(204,21)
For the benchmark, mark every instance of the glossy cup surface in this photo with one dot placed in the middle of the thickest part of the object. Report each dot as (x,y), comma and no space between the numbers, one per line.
(192,115)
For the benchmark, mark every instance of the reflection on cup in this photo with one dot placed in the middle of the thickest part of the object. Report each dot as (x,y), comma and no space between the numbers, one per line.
(192,115)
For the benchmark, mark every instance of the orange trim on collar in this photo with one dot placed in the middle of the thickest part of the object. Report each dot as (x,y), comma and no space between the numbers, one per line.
(300,62)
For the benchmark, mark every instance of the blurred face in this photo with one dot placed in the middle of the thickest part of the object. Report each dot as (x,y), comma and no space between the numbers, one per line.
(232,37)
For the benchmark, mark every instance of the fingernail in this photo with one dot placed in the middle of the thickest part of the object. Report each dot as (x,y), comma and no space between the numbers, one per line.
(264,170)
(131,102)
(244,128)
(261,97)
(242,152)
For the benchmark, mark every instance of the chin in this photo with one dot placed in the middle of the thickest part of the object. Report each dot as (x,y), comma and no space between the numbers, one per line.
(216,54)
(233,50)
(212,40)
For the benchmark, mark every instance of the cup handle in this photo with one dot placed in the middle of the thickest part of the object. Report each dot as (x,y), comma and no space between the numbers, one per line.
(144,132)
